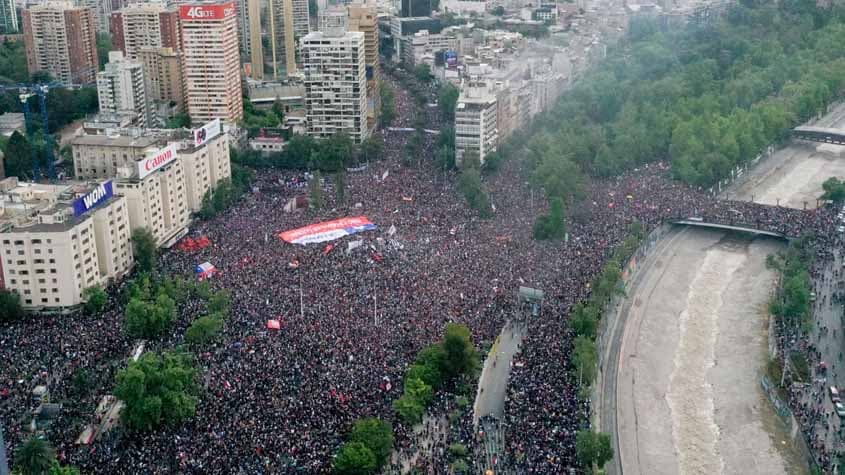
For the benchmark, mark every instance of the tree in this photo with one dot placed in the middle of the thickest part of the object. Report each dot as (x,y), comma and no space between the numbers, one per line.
(315,187)
(469,183)
(447,100)
(409,409)
(95,299)
(371,148)
(204,329)
(498,11)
(219,303)
(585,358)
(422,72)
(146,319)
(279,110)
(388,105)
(355,458)
(13,62)
(145,249)
(834,190)
(585,320)
(179,121)
(18,156)
(57,469)
(602,448)
(551,226)
(461,356)
(34,457)
(376,435)
(10,306)
(592,448)
(585,449)
(159,388)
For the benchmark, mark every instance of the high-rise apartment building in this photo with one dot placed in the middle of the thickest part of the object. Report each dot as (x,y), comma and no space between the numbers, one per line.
(61,40)
(211,62)
(475,122)
(165,88)
(58,240)
(287,14)
(102,12)
(334,63)
(145,25)
(121,87)
(8,17)
(364,19)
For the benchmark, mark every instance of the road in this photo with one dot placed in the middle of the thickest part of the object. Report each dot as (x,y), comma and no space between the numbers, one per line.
(493,383)
(489,406)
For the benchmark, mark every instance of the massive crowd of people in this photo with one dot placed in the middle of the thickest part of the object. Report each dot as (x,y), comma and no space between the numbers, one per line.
(282,401)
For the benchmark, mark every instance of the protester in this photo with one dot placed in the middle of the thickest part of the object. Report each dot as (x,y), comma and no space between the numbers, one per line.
(282,401)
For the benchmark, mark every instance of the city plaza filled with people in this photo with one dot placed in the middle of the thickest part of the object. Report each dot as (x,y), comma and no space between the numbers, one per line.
(353,319)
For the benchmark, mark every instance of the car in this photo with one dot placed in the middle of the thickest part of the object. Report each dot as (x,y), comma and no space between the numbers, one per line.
(840,409)
(834,394)
(840,229)
(812,296)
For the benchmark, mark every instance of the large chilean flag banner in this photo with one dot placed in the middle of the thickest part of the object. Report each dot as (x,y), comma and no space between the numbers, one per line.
(328,230)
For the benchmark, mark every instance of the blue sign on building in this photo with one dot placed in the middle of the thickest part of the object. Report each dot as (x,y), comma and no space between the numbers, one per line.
(94,198)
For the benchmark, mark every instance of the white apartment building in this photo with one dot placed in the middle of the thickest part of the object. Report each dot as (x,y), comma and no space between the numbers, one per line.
(211,62)
(58,240)
(475,121)
(334,64)
(121,87)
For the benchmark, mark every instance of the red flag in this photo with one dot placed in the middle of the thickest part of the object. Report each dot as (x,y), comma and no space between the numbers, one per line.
(328,249)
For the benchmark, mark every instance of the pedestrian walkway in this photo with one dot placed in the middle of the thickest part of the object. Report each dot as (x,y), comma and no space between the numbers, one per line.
(489,407)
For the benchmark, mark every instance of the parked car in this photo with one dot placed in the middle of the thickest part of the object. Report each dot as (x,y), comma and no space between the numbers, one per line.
(834,394)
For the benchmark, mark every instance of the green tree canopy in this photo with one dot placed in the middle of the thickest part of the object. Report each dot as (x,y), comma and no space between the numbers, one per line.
(376,435)
(158,389)
(204,329)
(149,319)
(145,249)
(34,457)
(447,100)
(95,299)
(834,190)
(355,458)
(461,356)
(10,306)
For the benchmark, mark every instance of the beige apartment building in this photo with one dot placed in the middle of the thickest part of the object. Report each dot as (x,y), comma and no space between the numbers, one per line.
(157,201)
(100,156)
(211,62)
(58,240)
(145,25)
(61,39)
(163,175)
(365,19)
(163,73)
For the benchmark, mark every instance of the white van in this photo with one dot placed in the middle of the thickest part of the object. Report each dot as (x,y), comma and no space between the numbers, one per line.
(834,394)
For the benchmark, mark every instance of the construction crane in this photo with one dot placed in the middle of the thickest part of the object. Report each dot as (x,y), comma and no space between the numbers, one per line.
(25,92)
